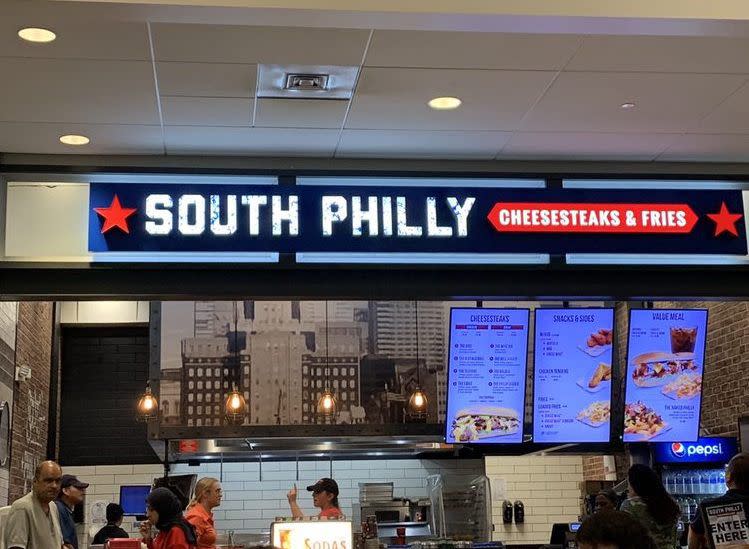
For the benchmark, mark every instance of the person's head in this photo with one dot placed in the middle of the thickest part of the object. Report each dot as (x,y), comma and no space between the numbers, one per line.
(208,493)
(737,472)
(613,530)
(72,490)
(324,493)
(163,508)
(606,500)
(47,477)
(645,483)
(115,512)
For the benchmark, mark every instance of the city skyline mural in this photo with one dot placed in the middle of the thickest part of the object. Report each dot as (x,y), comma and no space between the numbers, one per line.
(281,355)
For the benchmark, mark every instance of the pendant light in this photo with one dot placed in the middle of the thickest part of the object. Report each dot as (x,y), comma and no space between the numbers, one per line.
(235,408)
(326,405)
(148,406)
(417,402)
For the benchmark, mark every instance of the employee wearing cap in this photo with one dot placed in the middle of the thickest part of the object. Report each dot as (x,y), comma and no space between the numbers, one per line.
(324,496)
(72,492)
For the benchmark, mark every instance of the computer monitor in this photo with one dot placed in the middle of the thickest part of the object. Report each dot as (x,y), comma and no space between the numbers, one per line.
(182,486)
(133,499)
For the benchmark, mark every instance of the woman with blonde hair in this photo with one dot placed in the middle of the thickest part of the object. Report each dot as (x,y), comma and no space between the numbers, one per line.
(200,511)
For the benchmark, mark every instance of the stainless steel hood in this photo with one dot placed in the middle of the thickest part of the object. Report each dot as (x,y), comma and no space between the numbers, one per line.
(234,449)
(245,443)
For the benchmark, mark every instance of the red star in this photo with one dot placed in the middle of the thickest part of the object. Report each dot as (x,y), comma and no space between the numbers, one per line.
(115,216)
(725,221)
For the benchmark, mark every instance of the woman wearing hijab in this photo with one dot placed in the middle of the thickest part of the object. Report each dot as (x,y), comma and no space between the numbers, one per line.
(165,513)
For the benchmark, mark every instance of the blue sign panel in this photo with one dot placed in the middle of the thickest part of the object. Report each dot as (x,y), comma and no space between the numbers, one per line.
(486,375)
(665,364)
(704,450)
(320,218)
(572,375)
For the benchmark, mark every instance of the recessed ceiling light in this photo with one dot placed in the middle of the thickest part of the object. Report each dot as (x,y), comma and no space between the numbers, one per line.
(35,34)
(628,105)
(444,103)
(72,139)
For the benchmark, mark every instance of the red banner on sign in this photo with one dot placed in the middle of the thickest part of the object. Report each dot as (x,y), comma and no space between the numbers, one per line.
(188,446)
(530,217)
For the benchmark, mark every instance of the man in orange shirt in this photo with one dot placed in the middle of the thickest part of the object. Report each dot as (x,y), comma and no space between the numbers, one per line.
(200,511)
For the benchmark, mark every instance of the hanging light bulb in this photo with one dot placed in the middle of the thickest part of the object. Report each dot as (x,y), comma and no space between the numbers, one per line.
(326,404)
(236,406)
(418,403)
(148,406)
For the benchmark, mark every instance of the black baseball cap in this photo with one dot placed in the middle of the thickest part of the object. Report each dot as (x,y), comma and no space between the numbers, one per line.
(324,485)
(71,480)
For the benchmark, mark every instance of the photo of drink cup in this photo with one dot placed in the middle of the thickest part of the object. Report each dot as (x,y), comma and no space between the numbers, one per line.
(683,339)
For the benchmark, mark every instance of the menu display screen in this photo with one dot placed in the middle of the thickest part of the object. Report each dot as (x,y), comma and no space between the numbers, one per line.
(486,378)
(572,375)
(665,363)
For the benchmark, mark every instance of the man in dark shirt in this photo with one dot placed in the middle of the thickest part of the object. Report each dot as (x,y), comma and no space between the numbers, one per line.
(737,480)
(72,493)
(112,529)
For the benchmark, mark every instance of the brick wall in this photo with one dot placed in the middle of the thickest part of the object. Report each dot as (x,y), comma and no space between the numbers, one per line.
(250,504)
(31,399)
(724,392)
(549,487)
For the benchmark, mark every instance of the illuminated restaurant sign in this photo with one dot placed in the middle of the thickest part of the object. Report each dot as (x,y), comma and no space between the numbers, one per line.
(413,219)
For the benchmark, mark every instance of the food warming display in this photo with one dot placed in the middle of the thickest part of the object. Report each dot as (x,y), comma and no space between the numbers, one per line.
(486,375)
(572,375)
(461,508)
(664,374)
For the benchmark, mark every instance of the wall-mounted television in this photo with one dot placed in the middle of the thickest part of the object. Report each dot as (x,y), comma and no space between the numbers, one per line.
(486,377)
(665,365)
(133,499)
(572,375)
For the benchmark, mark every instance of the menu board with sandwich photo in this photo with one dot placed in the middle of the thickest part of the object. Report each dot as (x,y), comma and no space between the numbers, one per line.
(486,375)
(665,364)
(572,375)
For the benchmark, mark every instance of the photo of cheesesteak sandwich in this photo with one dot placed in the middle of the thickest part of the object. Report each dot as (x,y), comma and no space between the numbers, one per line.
(657,368)
(480,422)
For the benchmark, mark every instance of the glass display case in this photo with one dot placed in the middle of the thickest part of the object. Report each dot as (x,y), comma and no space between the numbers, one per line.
(461,507)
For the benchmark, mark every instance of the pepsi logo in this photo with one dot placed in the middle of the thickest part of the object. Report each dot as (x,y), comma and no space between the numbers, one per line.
(678,449)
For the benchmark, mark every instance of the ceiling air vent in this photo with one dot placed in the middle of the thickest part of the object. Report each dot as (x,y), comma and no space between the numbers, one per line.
(306,82)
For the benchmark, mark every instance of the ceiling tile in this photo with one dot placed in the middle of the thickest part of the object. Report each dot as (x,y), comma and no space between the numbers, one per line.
(300,113)
(708,148)
(585,101)
(77,38)
(731,116)
(397,98)
(22,137)
(470,50)
(696,54)
(250,141)
(206,79)
(420,144)
(206,111)
(270,45)
(586,146)
(77,91)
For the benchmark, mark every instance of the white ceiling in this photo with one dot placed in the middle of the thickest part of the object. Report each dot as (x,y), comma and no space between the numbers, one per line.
(143,86)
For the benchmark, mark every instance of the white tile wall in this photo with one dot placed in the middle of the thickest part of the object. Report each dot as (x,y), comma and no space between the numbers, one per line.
(252,500)
(548,486)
